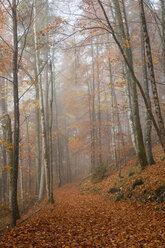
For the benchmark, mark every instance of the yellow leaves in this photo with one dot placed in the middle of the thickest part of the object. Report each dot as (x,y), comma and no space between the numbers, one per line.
(6,167)
(9,146)
(126,44)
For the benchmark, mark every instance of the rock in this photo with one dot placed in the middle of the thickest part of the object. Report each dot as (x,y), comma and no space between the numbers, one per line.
(129,195)
(144,192)
(113,190)
(160,194)
(160,190)
(161,198)
(119,196)
(137,182)
(157,208)
(131,173)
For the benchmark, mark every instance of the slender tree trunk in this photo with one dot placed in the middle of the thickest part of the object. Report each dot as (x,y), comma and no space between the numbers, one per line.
(21,180)
(42,179)
(59,158)
(113,117)
(51,199)
(37,111)
(29,156)
(163,32)
(37,141)
(93,117)
(152,74)
(99,111)
(3,108)
(43,125)
(148,121)
(9,155)
(90,118)
(14,203)
(67,154)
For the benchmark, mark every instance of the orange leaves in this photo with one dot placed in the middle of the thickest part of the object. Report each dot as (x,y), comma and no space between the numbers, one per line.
(120,83)
(73,143)
(89,221)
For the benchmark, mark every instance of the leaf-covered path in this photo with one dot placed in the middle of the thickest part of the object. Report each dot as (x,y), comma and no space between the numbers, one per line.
(89,221)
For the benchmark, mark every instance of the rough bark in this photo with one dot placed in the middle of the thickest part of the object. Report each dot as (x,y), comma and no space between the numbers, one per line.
(148,121)
(163,32)
(14,203)
(152,74)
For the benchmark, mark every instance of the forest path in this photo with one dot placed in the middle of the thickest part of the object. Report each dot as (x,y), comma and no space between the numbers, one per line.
(89,221)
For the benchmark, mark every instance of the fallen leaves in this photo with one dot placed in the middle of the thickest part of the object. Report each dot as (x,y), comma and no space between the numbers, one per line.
(88,220)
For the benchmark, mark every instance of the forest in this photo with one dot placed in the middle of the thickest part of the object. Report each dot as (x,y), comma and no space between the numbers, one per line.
(82,123)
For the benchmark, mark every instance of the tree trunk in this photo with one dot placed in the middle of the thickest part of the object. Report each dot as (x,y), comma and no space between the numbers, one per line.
(9,155)
(148,121)
(41,100)
(152,74)
(51,199)
(93,119)
(99,111)
(59,158)
(4,153)
(14,203)
(113,116)
(163,32)
(29,156)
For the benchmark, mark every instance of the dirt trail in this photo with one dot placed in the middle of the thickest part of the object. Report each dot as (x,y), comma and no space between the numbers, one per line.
(89,221)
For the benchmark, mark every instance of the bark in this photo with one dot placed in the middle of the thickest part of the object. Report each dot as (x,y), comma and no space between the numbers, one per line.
(90,118)
(148,121)
(21,180)
(41,101)
(29,156)
(9,154)
(163,32)
(42,179)
(37,111)
(99,111)
(59,158)
(14,203)
(113,116)
(152,74)
(37,141)
(4,153)
(68,164)
(51,199)
(93,119)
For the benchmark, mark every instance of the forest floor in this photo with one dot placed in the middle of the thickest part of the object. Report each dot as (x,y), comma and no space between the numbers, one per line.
(86,215)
